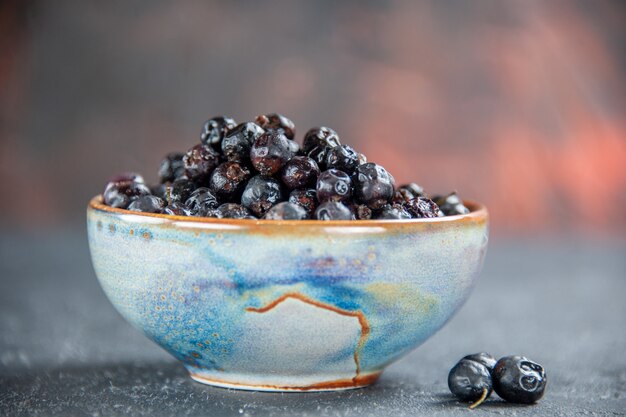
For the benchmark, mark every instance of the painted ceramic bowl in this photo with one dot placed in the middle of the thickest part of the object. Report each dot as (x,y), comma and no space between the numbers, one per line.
(286,305)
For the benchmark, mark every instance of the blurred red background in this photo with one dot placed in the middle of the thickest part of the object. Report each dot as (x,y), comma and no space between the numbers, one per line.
(518,104)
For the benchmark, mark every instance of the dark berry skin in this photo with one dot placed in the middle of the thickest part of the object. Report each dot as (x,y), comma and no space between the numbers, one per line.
(484,358)
(305,198)
(201,202)
(275,121)
(128,176)
(450,204)
(171,167)
(300,172)
(270,152)
(228,180)
(260,194)
(214,129)
(373,185)
(362,212)
(519,380)
(333,185)
(422,207)
(180,191)
(407,192)
(286,211)
(343,158)
(238,141)
(318,142)
(177,209)
(147,204)
(232,211)
(120,194)
(393,212)
(200,161)
(467,380)
(333,210)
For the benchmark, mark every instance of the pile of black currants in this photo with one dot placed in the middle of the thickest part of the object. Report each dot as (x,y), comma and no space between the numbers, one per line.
(256,170)
(514,378)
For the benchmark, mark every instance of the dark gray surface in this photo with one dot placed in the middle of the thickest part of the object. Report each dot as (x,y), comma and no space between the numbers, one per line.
(65,351)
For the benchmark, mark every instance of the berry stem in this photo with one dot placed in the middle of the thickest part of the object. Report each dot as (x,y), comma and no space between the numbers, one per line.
(480,400)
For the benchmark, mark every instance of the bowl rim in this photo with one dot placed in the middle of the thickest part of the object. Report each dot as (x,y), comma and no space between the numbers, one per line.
(478,213)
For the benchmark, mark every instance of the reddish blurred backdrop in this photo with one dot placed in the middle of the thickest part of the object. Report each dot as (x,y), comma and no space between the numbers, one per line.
(518,104)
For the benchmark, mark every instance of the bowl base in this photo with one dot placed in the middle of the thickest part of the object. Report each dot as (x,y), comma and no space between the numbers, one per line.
(337,385)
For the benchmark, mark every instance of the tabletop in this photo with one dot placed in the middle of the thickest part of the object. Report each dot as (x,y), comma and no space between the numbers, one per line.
(65,351)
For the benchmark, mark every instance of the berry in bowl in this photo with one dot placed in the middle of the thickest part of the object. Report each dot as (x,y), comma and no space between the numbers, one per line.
(262,264)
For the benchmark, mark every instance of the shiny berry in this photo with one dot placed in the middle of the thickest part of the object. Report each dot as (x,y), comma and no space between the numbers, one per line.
(305,198)
(200,161)
(422,207)
(450,204)
(270,152)
(228,181)
(274,121)
(238,141)
(171,167)
(333,210)
(373,185)
(318,142)
(333,185)
(179,191)
(214,129)
(232,211)
(177,209)
(300,172)
(484,358)
(147,204)
(470,380)
(201,202)
(120,194)
(343,158)
(519,380)
(286,211)
(161,190)
(260,194)
(393,212)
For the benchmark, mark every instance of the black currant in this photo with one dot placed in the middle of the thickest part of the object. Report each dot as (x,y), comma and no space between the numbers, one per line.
(318,142)
(275,121)
(484,358)
(451,204)
(333,210)
(270,152)
(147,204)
(201,202)
(305,198)
(177,209)
(519,380)
(300,172)
(286,211)
(120,194)
(232,211)
(214,130)
(343,158)
(228,180)
(200,161)
(422,207)
(333,185)
(393,212)
(237,143)
(260,194)
(470,381)
(373,185)
(171,167)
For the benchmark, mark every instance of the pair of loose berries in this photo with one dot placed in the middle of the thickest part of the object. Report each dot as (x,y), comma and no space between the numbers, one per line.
(515,379)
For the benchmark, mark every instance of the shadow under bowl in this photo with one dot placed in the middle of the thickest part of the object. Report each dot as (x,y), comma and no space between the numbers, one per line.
(286,305)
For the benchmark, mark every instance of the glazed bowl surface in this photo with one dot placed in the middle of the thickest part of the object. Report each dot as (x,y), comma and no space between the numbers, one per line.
(286,305)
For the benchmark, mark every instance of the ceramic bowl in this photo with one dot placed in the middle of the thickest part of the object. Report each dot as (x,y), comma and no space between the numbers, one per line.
(286,305)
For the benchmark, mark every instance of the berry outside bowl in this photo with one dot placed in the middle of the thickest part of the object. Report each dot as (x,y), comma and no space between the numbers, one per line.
(286,305)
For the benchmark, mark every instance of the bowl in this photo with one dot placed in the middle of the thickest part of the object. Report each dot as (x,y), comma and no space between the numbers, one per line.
(286,305)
